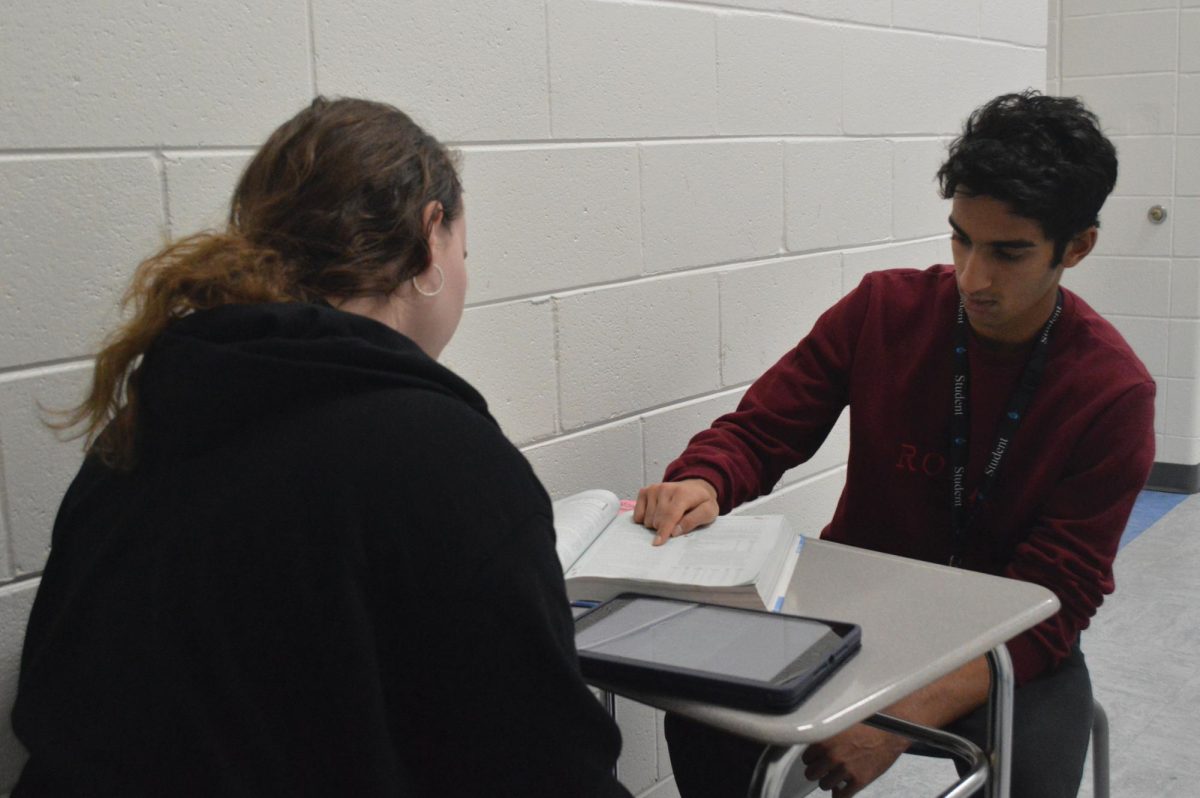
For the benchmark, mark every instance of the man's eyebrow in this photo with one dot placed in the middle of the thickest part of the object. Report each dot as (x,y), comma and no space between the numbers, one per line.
(1016,243)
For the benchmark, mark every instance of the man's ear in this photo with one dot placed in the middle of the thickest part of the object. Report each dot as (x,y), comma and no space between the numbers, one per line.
(1079,247)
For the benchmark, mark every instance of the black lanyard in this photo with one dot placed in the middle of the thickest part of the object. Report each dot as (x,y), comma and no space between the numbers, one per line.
(965,512)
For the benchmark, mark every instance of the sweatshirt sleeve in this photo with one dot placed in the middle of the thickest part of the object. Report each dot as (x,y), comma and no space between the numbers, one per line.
(1072,545)
(514,713)
(472,624)
(786,414)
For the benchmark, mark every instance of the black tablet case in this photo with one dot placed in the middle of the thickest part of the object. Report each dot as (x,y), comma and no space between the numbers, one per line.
(807,673)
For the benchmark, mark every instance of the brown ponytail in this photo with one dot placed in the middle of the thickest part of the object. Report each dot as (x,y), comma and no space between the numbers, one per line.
(331,205)
(195,273)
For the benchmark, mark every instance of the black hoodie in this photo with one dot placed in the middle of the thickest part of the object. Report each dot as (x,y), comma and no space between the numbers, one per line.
(329,573)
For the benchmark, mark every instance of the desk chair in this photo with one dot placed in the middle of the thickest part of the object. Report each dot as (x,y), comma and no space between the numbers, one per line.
(1100,761)
(798,786)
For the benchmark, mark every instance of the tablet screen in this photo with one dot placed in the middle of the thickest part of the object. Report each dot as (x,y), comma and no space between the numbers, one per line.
(702,637)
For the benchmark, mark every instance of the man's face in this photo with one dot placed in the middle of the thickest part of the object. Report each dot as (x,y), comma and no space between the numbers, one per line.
(1002,264)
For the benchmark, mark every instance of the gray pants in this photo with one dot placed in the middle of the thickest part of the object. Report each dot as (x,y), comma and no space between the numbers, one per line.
(1052,723)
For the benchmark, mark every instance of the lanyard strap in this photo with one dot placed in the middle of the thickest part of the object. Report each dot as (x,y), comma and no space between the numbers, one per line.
(965,512)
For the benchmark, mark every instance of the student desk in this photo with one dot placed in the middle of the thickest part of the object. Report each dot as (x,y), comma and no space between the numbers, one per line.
(919,622)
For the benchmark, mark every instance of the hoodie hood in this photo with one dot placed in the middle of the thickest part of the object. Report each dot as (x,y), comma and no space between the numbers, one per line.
(216,371)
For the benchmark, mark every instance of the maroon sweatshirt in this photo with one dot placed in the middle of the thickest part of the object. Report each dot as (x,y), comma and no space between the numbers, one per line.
(1068,482)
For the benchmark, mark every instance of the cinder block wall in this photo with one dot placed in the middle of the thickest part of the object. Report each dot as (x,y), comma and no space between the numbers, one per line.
(1137,63)
(662,196)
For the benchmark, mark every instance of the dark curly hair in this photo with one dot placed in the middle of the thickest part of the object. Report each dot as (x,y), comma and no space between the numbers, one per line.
(1045,157)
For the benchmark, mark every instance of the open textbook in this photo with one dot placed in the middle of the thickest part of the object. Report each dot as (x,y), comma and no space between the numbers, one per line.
(738,560)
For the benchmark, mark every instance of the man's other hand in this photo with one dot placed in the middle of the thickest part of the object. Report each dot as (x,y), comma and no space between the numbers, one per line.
(676,508)
(848,762)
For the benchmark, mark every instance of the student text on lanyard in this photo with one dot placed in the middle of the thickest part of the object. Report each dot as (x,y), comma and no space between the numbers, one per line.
(965,512)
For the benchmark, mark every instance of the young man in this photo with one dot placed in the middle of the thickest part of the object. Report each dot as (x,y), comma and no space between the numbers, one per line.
(996,423)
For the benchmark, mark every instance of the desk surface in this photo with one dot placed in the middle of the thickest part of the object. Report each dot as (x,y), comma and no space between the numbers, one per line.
(919,622)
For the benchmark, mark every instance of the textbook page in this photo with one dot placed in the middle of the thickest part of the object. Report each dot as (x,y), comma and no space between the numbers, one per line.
(733,551)
(579,520)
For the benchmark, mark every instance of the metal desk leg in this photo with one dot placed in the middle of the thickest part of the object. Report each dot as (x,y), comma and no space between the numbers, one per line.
(1000,709)
(771,772)
(959,747)
(770,776)
(993,765)
(610,702)
(609,699)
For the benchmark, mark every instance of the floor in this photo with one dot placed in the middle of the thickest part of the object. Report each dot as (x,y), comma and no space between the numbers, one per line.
(1143,650)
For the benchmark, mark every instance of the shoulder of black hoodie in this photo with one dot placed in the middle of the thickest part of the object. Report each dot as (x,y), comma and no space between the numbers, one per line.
(419,472)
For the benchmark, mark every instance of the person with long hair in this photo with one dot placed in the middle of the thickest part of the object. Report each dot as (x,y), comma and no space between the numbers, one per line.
(300,557)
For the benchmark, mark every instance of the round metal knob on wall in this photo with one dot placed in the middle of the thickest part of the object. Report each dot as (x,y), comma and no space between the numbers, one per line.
(1157,214)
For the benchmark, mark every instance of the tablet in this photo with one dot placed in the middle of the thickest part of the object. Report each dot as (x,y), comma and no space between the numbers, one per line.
(734,657)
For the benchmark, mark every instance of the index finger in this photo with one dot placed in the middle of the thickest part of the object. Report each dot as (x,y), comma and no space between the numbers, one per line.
(667,515)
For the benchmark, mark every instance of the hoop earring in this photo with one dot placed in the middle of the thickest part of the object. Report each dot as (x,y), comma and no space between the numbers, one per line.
(436,291)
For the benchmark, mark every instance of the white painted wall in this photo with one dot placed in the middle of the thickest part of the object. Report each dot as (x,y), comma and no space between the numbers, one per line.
(662,197)
(1137,64)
